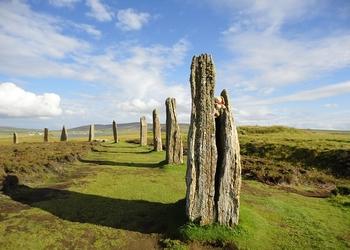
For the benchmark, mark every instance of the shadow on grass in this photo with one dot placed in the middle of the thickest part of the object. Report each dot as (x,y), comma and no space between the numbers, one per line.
(126,164)
(134,215)
(121,152)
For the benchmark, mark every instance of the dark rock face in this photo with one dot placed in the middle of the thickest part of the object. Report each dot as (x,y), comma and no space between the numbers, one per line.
(64,134)
(174,147)
(15,138)
(46,134)
(157,136)
(143,131)
(92,132)
(213,175)
(115,132)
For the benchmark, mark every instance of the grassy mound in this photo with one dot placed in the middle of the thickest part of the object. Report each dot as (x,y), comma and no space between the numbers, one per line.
(31,161)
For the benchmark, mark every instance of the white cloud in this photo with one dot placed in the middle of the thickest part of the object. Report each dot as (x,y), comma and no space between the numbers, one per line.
(64,3)
(99,11)
(128,70)
(336,89)
(88,29)
(330,105)
(16,102)
(130,19)
(277,61)
(33,44)
(266,58)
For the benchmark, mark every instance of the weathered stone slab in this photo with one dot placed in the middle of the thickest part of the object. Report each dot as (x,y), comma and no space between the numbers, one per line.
(143,131)
(92,132)
(157,136)
(174,147)
(202,152)
(15,138)
(46,134)
(115,132)
(213,175)
(64,134)
(228,171)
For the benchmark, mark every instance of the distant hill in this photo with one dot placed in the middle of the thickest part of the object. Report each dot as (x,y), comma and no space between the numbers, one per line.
(122,127)
(133,126)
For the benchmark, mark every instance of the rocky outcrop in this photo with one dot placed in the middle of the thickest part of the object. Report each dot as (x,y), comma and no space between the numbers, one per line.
(92,132)
(143,131)
(46,134)
(115,132)
(157,136)
(213,175)
(174,147)
(64,134)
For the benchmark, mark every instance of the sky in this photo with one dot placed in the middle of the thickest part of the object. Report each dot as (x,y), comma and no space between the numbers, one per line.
(77,62)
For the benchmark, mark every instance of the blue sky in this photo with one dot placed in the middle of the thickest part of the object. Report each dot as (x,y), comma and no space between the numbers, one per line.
(76,62)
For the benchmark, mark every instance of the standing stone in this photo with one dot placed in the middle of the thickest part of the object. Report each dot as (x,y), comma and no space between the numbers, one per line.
(143,131)
(46,134)
(15,138)
(228,175)
(174,148)
(115,132)
(157,136)
(202,152)
(64,134)
(92,132)
(213,175)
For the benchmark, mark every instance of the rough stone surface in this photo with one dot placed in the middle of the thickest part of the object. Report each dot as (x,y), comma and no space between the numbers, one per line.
(174,147)
(115,132)
(92,132)
(157,136)
(64,134)
(46,134)
(213,175)
(202,153)
(2,178)
(15,138)
(228,171)
(143,131)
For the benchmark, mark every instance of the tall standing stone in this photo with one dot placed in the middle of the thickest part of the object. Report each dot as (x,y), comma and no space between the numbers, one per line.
(228,171)
(64,134)
(15,138)
(143,131)
(157,136)
(174,147)
(92,132)
(202,152)
(115,132)
(46,134)
(213,175)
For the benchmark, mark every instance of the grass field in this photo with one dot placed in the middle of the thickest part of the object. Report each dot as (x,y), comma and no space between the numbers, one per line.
(123,196)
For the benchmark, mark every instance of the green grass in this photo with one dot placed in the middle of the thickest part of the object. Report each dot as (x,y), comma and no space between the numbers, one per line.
(124,196)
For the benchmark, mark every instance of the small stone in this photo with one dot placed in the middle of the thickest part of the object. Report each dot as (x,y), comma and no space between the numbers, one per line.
(64,134)
(46,134)
(157,136)
(143,131)
(15,138)
(91,132)
(115,132)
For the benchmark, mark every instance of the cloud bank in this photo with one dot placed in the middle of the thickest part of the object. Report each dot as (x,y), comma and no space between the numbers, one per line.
(16,102)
